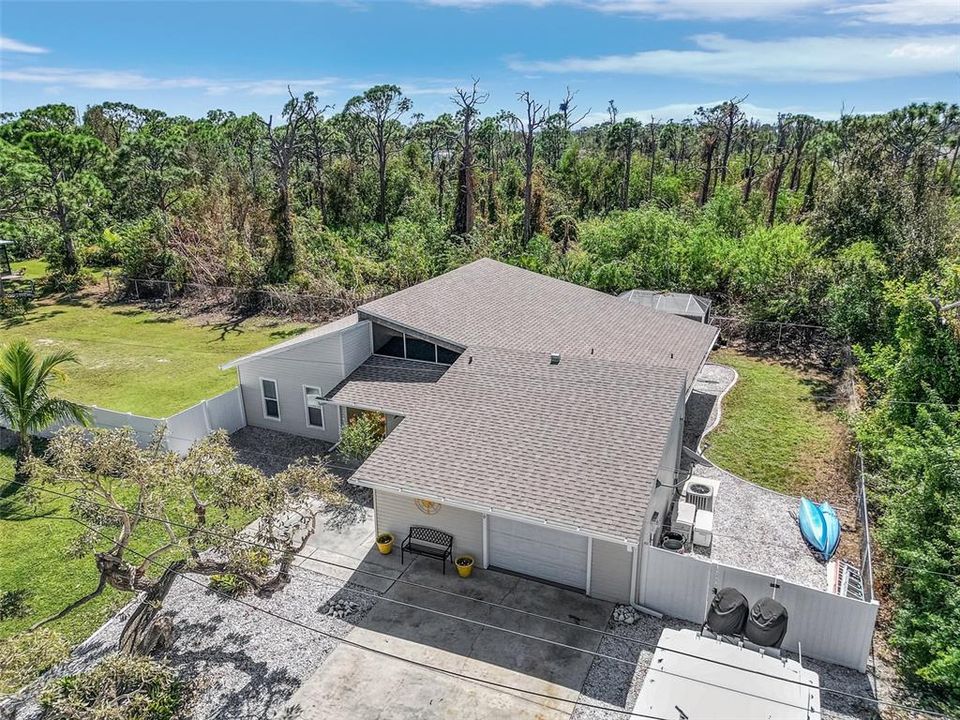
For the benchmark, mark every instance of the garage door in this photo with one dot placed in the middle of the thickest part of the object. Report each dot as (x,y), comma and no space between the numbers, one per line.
(539,551)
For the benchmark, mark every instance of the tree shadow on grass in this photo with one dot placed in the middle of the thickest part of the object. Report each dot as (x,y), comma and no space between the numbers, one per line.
(824,392)
(31,318)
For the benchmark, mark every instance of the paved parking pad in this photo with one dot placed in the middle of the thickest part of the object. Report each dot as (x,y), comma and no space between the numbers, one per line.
(353,683)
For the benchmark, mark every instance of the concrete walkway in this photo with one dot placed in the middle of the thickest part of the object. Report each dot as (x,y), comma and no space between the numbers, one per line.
(353,683)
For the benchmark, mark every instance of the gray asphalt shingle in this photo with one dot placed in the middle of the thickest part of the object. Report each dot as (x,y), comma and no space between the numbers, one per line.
(578,444)
(489,303)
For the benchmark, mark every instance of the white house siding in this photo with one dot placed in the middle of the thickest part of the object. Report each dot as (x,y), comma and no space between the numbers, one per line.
(395,513)
(610,571)
(319,363)
(357,346)
(660,499)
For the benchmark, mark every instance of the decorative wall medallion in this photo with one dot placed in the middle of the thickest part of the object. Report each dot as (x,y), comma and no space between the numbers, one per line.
(429,507)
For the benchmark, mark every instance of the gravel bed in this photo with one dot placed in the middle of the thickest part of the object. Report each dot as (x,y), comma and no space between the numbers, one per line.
(755,529)
(246,664)
(616,685)
(272,451)
(703,407)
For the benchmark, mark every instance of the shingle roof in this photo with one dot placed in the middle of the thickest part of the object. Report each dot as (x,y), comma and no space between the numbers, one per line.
(387,384)
(578,444)
(488,303)
(669,302)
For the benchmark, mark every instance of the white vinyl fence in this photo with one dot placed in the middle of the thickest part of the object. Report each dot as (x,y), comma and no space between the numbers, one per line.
(824,625)
(225,411)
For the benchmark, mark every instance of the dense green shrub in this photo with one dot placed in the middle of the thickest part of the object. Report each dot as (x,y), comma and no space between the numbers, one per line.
(119,688)
(228,584)
(361,436)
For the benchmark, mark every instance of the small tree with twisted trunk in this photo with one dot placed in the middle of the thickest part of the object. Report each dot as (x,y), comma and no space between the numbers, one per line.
(26,404)
(120,490)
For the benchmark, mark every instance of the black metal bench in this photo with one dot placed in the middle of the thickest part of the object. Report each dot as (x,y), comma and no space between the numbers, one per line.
(429,542)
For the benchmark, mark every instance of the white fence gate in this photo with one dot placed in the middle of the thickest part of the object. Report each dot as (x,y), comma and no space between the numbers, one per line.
(826,626)
(225,411)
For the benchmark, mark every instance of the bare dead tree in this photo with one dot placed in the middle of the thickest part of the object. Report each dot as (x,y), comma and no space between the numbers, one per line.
(536,115)
(319,146)
(781,157)
(283,146)
(569,111)
(464,214)
(753,148)
(731,117)
(710,140)
(804,127)
(653,157)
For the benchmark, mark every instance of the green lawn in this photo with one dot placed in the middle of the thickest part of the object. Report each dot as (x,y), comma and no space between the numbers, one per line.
(772,431)
(32,269)
(34,555)
(37,555)
(140,361)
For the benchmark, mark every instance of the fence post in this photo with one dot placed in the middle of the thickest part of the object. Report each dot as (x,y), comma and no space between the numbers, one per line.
(136,288)
(109,284)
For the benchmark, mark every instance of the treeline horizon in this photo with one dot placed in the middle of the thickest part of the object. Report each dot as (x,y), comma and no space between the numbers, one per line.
(851,224)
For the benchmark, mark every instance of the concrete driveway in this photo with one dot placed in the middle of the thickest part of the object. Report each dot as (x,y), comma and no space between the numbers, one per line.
(354,684)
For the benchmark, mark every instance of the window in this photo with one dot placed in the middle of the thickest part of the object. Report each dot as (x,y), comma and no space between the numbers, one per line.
(271,400)
(421,350)
(312,398)
(392,343)
(387,341)
(446,357)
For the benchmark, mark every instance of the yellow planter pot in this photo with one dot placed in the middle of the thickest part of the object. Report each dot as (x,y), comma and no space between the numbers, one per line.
(386,546)
(465,569)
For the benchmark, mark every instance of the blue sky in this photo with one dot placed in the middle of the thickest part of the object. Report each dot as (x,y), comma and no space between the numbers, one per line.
(661,57)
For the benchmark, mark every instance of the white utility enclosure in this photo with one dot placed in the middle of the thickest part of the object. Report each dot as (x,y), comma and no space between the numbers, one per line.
(713,679)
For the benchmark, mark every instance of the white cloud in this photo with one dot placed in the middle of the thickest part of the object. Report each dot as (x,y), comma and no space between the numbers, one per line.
(666,9)
(904,12)
(132,80)
(832,59)
(15,46)
(682,111)
(892,12)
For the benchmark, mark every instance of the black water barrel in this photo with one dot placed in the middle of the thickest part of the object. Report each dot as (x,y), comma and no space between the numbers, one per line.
(767,623)
(728,612)
(672,541)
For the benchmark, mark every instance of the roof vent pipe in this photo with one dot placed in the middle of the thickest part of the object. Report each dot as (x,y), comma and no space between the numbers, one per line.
(554,358)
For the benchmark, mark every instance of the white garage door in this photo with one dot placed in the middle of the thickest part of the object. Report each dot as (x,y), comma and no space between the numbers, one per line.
(538,551)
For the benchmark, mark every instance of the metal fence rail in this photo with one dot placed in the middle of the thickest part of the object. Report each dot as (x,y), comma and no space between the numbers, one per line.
(863,517)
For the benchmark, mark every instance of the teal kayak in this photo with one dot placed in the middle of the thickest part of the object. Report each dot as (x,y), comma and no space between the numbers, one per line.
(820,527)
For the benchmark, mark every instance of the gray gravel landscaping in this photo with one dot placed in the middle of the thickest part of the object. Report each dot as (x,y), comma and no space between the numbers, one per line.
(755,529)
(703,406)
(245,663)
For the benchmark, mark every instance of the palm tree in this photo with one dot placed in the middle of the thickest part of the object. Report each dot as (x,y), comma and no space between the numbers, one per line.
(26,379)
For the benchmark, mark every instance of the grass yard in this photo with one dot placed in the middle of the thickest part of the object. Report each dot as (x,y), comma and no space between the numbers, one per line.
(140,361)
(772,431)
(37,555)
(32,269)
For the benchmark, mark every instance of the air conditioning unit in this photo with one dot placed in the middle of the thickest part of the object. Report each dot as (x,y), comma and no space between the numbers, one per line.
(700,492)
(684,516)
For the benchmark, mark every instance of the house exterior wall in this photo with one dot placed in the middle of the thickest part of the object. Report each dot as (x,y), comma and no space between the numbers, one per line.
(666,478)
(357,346)
(322,363)
(610,571)
(395,513)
